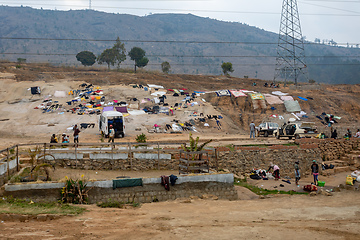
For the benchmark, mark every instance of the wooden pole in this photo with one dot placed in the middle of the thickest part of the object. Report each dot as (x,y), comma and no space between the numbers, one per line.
(158,155)
(7,162)
(76,155)
(130,156)
(44,153)
(17,158)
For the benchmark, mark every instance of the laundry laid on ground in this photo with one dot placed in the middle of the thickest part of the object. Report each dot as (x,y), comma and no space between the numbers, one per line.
(238,93)
(287,98)
(279,93)
(292,106)
(272,99)
(222,93)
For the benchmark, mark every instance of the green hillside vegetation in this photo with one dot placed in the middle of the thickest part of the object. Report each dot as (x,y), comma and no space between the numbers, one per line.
(194,36)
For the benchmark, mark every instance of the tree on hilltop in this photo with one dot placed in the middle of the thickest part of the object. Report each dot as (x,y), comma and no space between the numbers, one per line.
(108,57)
(227,67)
(86,58)
(165,67)
(111,56)
(120,52)
(138,56)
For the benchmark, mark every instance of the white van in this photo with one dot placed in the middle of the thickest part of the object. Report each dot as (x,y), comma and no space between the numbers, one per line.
(114,118)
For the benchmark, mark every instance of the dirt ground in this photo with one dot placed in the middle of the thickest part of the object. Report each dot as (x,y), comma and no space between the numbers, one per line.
(250,217)
(280,216)
(276,216)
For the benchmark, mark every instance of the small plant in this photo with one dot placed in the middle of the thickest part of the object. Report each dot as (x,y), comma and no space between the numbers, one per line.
(116,204)
(141,138)
(75,191)
(110,204)
(231,147)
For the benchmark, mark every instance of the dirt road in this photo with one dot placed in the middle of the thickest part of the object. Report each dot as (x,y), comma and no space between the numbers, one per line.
(281,216)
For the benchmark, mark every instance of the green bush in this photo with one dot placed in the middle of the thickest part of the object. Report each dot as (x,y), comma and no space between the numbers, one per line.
(141,138)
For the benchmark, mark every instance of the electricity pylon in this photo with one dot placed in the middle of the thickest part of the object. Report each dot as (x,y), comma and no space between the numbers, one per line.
(290,60)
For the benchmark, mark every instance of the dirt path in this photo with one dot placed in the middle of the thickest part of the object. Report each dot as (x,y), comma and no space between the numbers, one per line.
(288,217)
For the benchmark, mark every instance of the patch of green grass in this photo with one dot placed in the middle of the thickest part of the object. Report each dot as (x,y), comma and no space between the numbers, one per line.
(110,204)
(255,145)
(290,144)
(261,191)
(116,204)
(231,147)
(19,206)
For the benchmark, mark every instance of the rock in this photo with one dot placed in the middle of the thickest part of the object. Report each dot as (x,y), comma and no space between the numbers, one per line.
(324,192)
(337,189)
(312,194)
(41,217)
(209,196)
(137,129)
(261,197)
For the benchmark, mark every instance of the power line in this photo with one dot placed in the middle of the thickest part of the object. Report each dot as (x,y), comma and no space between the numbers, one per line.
(340,9)
(198,10)
(181,56)
(159,41)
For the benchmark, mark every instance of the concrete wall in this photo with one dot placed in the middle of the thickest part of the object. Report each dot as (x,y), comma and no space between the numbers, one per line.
(3,171)
(219,185)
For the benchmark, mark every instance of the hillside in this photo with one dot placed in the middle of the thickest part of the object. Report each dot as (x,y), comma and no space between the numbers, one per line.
(184,40)
(21,121)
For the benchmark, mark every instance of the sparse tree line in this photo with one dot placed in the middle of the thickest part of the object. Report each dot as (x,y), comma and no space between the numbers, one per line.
(116,55)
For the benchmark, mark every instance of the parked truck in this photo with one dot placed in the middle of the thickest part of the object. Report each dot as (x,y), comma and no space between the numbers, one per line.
(114,118)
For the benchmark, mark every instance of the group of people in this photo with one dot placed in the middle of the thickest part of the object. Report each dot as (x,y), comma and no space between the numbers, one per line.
(65,138)
(314,171)
(347,135)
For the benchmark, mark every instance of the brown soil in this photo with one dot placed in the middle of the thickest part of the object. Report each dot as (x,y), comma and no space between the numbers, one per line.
(288,217)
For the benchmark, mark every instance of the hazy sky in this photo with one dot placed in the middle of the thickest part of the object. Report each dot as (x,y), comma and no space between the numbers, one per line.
(323,19)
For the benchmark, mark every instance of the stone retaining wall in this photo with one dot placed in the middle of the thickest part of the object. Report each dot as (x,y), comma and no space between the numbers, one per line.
(243,160)
(220,186)
(120,164)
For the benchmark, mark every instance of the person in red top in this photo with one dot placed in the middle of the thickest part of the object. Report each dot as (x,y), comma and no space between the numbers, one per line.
(76,134)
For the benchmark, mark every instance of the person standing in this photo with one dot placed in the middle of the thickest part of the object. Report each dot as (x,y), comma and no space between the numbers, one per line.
(297,173)
(111,134)
(53,139)
(315,171)
(76,134)
(252,129)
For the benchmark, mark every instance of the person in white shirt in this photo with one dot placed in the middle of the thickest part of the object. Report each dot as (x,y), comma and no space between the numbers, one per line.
(111,133)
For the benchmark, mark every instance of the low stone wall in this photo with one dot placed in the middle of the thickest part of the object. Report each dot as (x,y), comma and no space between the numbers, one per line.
(120,164)
(219,185)
(243,160)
